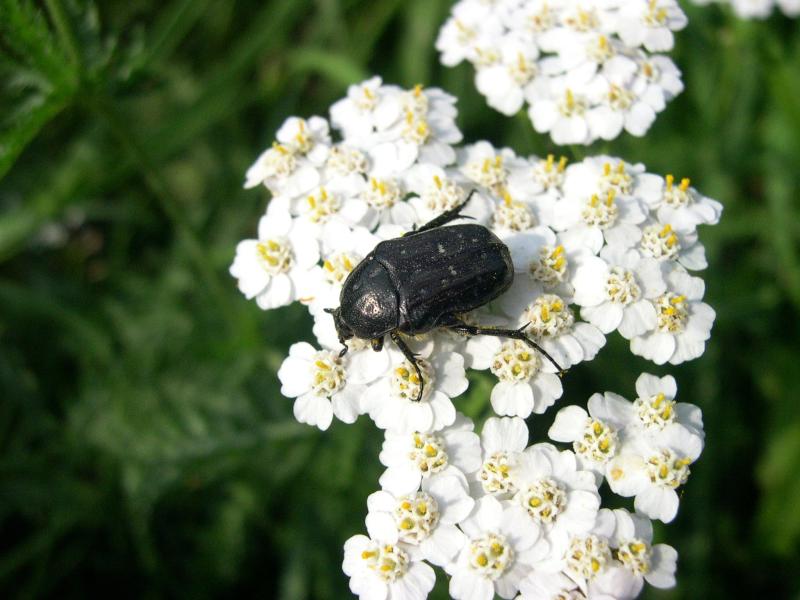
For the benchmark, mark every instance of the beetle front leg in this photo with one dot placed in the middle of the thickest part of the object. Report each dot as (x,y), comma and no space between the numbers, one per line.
(412,358)
(344,349)
(514,334)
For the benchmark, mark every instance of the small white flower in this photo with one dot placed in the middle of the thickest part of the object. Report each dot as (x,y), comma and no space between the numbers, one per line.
(425,130)
(522,387)
(683,322)
(555,493)
(487,167)
(502,442)
(652,470)
(275,269)
(501,548)
(650,23)
(282,171)
(426,520)
(665,242)
(543,260)
(318,379)
(380,566)
(600,214)
(595,435)
(472,26)
(309,138)
(678,203)
(560,110)
(336,201)
(412,458)
(633,546)
(503,82)
(619,292)
(550,321)
(368,108)
(391,400)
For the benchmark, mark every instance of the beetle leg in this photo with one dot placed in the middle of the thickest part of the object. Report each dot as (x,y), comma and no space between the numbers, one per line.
(444,218)
(412,358)
(344,349)
(377,344)
(514,334)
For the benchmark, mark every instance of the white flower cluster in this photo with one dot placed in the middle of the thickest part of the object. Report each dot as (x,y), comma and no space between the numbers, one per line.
(502,517)
(759,9)
(586,68)
(601,240)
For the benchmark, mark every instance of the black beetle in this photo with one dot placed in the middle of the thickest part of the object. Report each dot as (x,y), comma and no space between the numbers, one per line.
(424,280)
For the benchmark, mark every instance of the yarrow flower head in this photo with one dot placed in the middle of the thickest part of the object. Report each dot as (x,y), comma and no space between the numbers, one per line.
(586,69)
(759,9)
(595,246)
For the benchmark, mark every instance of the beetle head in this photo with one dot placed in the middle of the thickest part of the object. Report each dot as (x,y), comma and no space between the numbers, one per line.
(342,330)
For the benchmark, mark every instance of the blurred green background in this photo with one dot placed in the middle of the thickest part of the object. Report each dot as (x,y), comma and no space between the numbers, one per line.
(146,450)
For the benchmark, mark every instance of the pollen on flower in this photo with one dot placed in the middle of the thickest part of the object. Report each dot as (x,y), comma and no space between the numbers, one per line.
(405,382)
(490,555)
(488,172)
(322,205)
(656,16)
(548,173)
(465,33)
(677,195)
(601,212)
(667,470)
(649,71)
(636,555)
(365,98)
(515,361)
(512,214)
(572,105)
(657,411)
(337,267)
(275,255)
(673,312)
(328,374)
(621,286)
(550,269)
(660,241)
(346,161)
(522,70)
(543,499)
(588,556)
(382,193)
(442,194)
(581,20)
(428,453)
(619,98)
(415,100)
(615,178)
(387,561)
(415,128)
(598,442)
(280,161)
(549,317)
(416,516)
(600,49)
(542,20)
(302,140)
(495,474)
(486,56)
